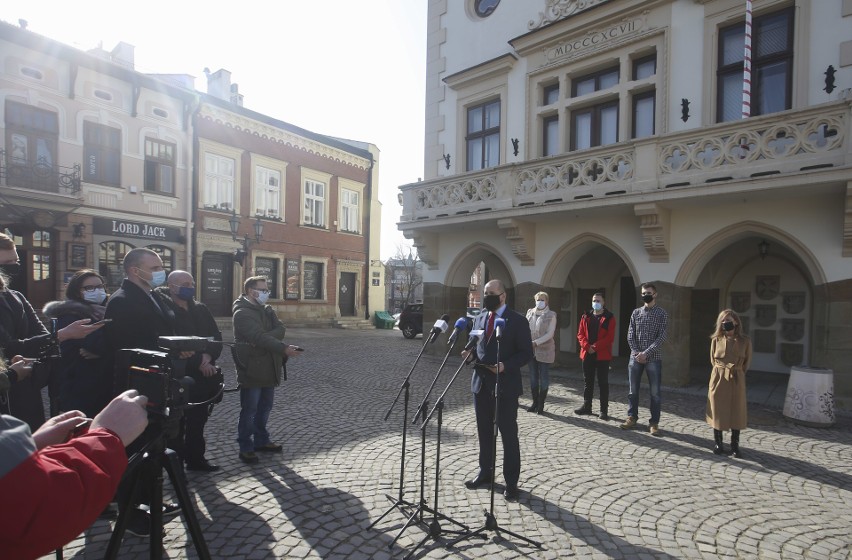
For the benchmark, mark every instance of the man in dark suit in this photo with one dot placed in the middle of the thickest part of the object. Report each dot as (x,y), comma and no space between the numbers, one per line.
(515,351)
(139,318)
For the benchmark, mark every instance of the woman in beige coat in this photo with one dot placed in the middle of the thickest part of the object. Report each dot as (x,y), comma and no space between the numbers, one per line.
(730,356)
(542,328)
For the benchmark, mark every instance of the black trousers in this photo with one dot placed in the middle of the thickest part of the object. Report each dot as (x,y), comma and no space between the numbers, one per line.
(593,367)
(507,424)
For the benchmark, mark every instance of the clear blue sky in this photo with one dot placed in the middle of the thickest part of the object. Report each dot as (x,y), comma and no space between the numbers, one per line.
(350,69)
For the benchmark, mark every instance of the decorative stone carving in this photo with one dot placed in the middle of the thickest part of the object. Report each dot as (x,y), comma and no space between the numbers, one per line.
(793,302)
(558,9)
(764,315)
(767,287)
(469,191)
(792,354)
(426,245)
(740,301)
(654,224)
(521,236)
(792,330)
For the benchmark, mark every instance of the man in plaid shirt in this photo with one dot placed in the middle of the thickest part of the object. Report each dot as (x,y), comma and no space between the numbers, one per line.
(645,336)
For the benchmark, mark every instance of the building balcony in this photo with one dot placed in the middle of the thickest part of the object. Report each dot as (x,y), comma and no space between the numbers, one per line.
(40,176)
(760,153)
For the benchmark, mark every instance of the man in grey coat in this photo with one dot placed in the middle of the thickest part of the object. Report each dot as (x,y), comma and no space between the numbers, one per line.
(261,356)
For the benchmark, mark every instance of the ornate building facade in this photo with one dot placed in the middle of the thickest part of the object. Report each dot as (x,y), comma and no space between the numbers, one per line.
(581,146)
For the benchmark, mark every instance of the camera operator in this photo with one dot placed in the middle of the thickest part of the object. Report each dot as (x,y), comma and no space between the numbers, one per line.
(262,363)
(59,481)
(21,333)
(192,318)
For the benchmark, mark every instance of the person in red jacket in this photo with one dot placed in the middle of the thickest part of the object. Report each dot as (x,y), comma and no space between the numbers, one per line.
(596,334)
(55,483)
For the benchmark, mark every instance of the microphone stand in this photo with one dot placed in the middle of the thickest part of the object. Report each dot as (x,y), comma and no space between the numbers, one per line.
(422,506)
(399,502)
(491,521)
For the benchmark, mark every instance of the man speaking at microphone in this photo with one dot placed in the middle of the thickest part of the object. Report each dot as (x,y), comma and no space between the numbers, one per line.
(515,351)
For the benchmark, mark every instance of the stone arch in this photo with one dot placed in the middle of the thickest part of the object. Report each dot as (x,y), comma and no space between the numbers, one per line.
(698,258)
(458,273)
(564,259)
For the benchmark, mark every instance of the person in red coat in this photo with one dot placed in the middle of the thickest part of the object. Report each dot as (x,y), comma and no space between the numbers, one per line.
(596,335)
(55,483)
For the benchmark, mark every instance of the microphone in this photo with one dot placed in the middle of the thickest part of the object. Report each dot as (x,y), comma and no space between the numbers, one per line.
(461,323)
(440,327)
(499,323)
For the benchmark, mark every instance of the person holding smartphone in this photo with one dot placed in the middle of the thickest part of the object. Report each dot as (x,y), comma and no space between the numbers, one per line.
(84,382)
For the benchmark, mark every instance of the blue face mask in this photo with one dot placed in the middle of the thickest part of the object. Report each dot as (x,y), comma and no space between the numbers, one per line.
(597,306)
(96,296)
(262,297)
(185,293)
(158,278)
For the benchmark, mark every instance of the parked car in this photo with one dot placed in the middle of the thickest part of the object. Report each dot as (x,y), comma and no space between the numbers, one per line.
(411,320)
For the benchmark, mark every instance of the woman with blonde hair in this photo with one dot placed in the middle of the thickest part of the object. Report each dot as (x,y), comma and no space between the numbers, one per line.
(730,356)
(542,328)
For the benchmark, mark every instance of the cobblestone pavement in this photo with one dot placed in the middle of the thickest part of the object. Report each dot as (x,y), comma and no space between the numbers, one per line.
(588,489)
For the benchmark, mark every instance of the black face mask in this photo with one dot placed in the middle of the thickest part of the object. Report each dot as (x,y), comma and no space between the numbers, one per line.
(11,269)
(728,325)
(647,298)
(491,302)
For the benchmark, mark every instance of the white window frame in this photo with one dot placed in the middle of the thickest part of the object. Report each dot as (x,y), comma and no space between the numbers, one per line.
(262,165)
(310,176)
(220,202)
(567,105)
(346,208)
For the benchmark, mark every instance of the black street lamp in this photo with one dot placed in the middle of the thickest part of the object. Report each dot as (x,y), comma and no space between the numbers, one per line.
(234,222)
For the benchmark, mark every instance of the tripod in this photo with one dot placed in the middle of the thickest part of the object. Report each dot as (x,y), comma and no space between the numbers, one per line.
(399,502)
(491,521)
(146,466)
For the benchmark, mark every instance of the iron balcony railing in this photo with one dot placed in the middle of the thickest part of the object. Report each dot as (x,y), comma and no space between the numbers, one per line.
(40,175)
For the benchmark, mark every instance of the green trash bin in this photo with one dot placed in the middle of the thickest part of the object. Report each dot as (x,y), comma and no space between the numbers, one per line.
(383,320)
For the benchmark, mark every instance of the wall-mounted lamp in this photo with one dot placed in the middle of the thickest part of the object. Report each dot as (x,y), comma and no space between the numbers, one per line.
(829,79)
(78,230)
(376,262)
(447,160)
(234,222)
(763,249)
(515,145)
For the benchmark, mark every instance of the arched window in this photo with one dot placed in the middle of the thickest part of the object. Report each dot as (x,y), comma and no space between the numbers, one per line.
(167,255)
(110,262)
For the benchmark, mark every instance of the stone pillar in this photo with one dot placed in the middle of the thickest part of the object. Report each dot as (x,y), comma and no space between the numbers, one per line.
(677,301)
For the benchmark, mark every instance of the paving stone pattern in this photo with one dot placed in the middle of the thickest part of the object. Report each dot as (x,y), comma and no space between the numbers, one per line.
(588,488)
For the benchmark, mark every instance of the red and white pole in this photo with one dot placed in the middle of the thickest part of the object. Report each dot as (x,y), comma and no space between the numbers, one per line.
(747,64)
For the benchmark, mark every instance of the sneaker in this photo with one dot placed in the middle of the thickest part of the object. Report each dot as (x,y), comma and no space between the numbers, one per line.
(269,448)
(630,424)
(655,431)
(139,523)
(202,466)
(249,457)
(583,410)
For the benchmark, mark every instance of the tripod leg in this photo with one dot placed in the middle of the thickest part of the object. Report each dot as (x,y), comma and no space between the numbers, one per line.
(172,465)
(124,507)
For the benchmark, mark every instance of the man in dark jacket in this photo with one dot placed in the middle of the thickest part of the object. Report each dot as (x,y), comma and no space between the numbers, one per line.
(261,357)
(515,351)
(192,318)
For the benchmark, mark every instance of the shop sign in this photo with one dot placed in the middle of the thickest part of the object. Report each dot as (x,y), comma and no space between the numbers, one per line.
(141,230)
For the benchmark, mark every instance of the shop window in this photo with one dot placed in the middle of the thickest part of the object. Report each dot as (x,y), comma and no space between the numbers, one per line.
(111,262)
(167,255)
(267,267)
(312,281)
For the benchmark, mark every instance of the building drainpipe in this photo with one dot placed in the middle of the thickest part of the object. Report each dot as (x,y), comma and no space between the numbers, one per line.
(368,279)
(191,212)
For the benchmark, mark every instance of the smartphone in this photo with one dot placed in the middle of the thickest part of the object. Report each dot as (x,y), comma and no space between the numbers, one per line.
(102,322)
(298,349)
(81,428)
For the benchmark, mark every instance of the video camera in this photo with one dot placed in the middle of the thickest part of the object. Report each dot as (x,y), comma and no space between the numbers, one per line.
(160,375)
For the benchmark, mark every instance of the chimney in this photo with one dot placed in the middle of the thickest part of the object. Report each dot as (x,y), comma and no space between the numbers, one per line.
(236,96)
(219,84)
(123,54)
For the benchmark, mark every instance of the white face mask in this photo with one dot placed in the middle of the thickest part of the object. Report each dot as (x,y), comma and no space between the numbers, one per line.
(262,297)
(96,296)
(597,306)
(540,304)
